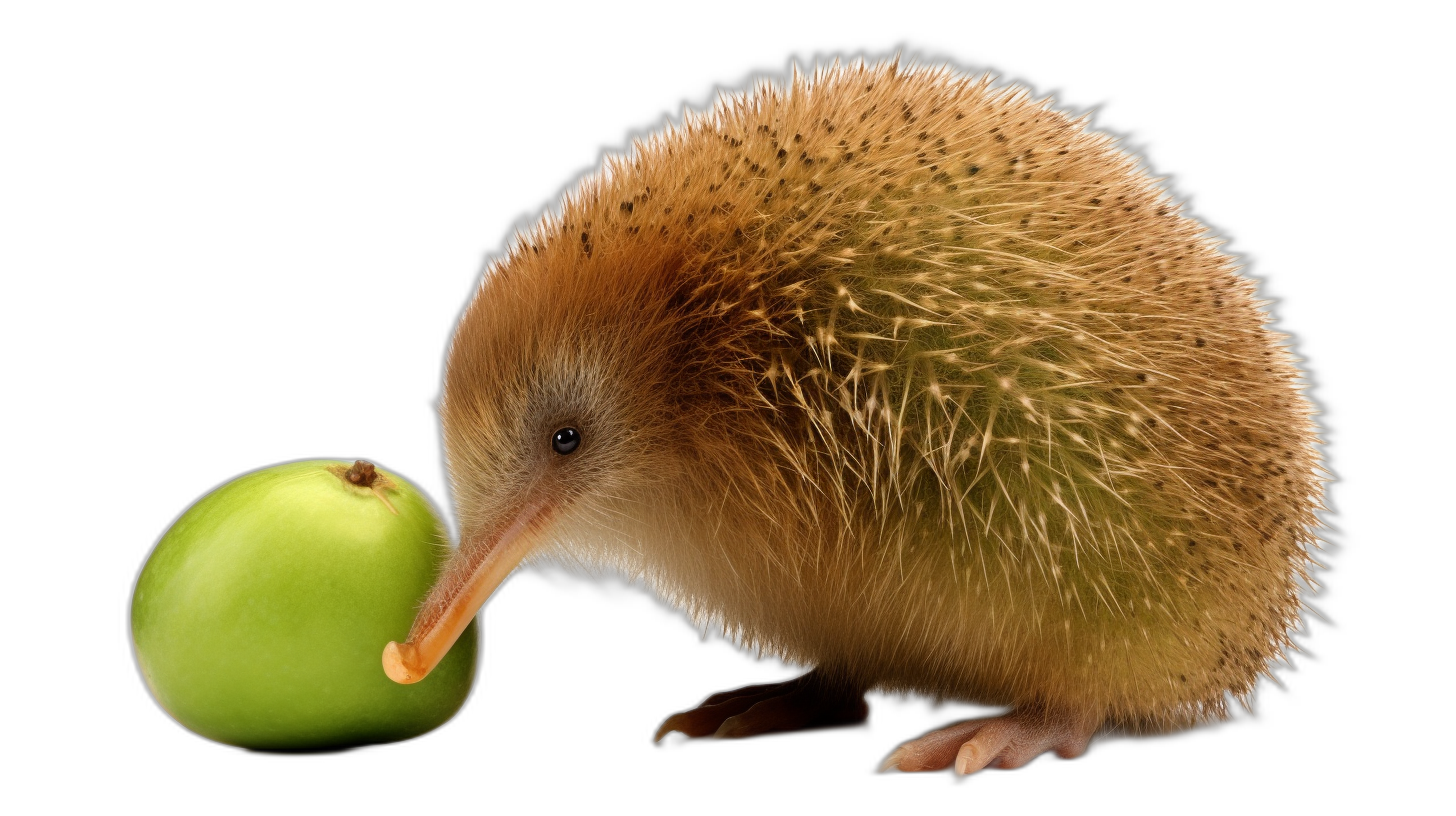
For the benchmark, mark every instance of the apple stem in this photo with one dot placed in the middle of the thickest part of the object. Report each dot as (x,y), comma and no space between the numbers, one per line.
(363,474)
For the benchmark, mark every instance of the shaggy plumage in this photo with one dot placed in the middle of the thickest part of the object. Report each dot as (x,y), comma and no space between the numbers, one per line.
(911,378)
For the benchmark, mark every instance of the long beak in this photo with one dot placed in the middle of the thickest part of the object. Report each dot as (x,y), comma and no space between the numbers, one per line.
(468,580)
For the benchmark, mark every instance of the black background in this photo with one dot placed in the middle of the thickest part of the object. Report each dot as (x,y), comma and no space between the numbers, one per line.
(290,219)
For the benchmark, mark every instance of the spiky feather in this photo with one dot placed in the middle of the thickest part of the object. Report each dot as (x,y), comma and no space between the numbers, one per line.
(912,377)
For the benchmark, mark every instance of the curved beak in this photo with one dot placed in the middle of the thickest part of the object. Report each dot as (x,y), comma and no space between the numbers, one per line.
(473,573)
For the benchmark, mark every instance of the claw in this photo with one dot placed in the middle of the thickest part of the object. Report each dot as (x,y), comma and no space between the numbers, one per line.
(892,762)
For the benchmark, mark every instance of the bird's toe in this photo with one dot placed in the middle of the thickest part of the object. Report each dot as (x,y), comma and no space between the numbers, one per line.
(1009,741)
(708,718)
(805,702)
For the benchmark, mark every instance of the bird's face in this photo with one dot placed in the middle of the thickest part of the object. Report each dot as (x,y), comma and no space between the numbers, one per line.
(556,414)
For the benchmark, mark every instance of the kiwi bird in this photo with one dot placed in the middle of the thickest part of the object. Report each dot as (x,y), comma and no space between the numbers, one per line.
(908,378)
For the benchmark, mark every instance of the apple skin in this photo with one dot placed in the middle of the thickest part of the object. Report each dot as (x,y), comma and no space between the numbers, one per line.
(260,616)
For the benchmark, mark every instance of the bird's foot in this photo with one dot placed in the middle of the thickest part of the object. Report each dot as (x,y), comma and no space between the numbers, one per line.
(805,702)
(1008,741)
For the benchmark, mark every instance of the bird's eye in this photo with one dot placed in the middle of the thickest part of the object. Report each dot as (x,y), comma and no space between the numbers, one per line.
(565,440)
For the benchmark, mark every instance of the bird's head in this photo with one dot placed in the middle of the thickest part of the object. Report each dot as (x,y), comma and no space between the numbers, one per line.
(591,398)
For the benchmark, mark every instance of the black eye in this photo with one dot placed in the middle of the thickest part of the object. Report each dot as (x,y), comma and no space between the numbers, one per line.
(565,440)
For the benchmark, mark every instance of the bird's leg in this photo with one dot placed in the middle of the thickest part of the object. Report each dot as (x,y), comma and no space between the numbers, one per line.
(1008,741)
(810,701)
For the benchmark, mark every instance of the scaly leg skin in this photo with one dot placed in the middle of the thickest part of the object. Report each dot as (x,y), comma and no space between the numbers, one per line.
(805,702)
(1008,741)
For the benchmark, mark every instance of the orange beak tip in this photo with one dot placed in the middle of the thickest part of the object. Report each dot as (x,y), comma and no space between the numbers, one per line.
(400,662)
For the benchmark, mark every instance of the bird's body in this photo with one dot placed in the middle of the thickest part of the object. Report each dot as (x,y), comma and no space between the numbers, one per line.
(910,379)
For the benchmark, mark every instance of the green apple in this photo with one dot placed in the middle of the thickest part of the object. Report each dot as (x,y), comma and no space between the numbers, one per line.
(259,618)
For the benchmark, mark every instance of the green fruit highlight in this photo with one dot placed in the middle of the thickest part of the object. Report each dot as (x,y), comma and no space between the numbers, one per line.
(259,616)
